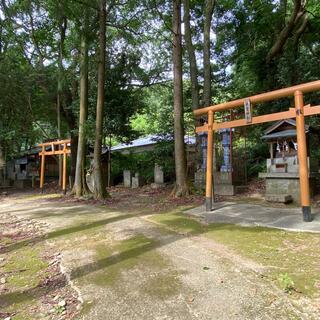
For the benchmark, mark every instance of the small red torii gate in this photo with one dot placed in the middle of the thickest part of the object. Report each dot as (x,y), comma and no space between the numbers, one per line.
(60,147)
(298,112)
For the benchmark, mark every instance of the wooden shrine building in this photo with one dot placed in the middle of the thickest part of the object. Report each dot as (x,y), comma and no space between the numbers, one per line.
(282,176)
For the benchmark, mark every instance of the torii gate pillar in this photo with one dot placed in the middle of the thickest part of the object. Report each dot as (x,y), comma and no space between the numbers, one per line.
(303,157)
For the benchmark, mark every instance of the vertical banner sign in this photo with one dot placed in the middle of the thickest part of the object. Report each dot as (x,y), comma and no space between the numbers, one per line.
(247,110)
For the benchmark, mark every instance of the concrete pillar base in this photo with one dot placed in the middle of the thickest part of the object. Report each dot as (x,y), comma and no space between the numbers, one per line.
(208,204)
(306,211)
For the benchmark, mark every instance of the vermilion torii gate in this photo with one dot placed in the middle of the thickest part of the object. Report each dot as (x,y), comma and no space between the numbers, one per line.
(298,112)
(60,147)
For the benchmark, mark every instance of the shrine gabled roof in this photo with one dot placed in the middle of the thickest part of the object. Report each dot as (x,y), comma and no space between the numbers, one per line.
(280,134)
(272,133)
(278,124)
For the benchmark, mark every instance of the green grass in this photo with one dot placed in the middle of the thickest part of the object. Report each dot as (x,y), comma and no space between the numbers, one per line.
(282,252)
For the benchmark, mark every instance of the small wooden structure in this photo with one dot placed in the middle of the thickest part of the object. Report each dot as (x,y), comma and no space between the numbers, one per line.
(282,176)
(56,148)
(23,170)
(299,112)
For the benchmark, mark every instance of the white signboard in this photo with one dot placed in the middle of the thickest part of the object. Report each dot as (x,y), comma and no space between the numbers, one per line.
(247,110)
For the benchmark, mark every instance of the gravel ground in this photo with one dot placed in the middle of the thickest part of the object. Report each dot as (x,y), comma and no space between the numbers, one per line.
(177,277)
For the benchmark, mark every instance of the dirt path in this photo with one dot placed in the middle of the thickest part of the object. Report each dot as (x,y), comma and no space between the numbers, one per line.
(125,266)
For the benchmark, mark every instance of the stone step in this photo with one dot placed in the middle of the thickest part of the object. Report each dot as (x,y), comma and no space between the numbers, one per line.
(241,189)
(279,198)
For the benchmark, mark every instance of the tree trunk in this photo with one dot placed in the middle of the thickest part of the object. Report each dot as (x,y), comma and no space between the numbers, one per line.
(192,57)
(62,29)
(295,47)
(2,165)
(181,188)
(99,188)
(208,12)
(80,186)
(59,131)
(194,80)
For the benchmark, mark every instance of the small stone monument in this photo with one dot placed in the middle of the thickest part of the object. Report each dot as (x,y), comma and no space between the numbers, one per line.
(200,172)
(223,182)
(136,181)
(158,177)
(127,178)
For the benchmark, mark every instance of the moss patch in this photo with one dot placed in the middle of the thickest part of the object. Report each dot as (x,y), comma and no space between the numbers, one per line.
(116,261)
(125,255)
(179,222)
(86,308)
(294,254)
(23,271)
(24,268)
(163,285)
(22,317)
(18,303)
(4,241)
(282,252)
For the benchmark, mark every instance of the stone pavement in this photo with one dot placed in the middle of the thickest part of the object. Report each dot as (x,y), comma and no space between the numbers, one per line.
(257,215)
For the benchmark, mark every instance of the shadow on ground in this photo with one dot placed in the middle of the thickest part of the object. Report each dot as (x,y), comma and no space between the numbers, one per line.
(194,229)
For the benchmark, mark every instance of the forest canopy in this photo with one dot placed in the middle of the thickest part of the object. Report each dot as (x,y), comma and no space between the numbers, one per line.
(55,56)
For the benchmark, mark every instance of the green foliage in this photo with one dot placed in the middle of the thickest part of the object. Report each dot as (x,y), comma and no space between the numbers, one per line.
(122,99)
(140,163)
(157,115)
(144,163)
(139,89)
(256,152)
(286,283)
(163,155)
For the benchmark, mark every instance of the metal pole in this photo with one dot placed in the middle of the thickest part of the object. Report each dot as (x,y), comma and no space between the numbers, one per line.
(302,155)
(209,176)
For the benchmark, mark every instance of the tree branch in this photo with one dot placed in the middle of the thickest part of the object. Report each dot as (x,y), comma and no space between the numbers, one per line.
(277,47)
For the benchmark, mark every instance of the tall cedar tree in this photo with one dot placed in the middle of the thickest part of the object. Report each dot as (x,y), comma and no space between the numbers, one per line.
(208,12)
(181,188)
(62,31)
(99,185)
(80,186)
(192,56)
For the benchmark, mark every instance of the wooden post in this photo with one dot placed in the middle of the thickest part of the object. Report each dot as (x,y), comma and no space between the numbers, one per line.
(64,175)
(42,169)
(60,167)
(302,156)
(271,152)
(209,175)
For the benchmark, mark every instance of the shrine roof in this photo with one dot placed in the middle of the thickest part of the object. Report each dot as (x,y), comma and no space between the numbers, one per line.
(282,129)
(149,140)
(290,133)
